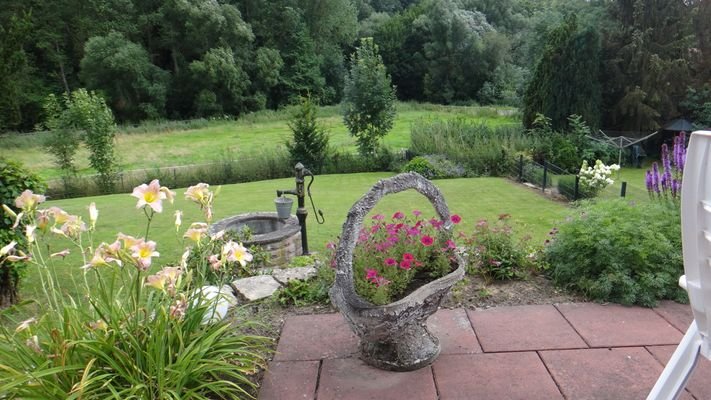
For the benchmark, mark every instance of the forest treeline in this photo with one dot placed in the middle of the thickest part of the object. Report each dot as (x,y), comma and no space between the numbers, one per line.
(621,64)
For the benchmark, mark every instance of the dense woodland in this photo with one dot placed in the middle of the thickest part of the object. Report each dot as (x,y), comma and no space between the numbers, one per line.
(621,64)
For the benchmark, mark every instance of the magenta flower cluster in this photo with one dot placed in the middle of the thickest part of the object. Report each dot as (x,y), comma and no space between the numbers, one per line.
(666,183)
(391,252)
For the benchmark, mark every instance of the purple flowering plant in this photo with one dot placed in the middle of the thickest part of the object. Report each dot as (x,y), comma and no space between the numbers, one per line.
(665,183)
(394,256)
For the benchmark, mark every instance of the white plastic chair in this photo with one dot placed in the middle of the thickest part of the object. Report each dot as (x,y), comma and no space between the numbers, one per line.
(696,244)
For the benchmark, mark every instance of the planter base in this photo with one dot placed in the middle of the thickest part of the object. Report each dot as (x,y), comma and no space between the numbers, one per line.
(415,348)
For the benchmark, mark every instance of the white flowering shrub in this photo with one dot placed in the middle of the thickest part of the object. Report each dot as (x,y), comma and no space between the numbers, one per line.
(594,179)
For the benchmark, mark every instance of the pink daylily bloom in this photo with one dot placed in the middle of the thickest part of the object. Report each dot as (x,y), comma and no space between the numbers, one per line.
(62,253)
(30,233)
(235,252)
(28,200)
(199,193)
(150,195)
(178,219)
(143,252)
(93,214)
(6,249)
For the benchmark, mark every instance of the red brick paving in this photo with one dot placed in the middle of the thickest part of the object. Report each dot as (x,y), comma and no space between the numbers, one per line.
(614,325)
(626,373)
(495,376)
(567,351)
(454,331)
(351,379)
(290,380)
(698,384)
(315,337)
(679,315)
(512,328)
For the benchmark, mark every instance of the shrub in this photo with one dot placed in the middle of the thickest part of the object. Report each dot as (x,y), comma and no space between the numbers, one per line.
(314,291)
(594,179)
(620,252)
(495,253)
(14,179)
(434,167)
(130,334)
(309,144)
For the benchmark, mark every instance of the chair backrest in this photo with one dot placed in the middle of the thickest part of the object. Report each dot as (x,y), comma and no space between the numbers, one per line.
(696,232)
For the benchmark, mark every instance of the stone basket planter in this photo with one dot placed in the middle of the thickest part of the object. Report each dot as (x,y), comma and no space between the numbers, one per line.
(393,336)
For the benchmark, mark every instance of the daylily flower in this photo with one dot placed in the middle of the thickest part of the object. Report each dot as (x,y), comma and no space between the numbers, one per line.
(177,309)
(184,258)
(93,214)
(42,219)
(60,216)
(150,195)
(62,253)
(235,252)
(196,232)
(98,260)
(200,194)
(169,194)
(73,227)
(17,220)
(20,257)
(128,241)
(27,200)
(30,233)
(215,262)
(33,343)
(9,211)
(6,249)
(143,252)
(25,324)
(99,324)
(178,219)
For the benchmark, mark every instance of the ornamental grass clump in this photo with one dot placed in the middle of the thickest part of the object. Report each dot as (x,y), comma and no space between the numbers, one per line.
(394,256)
(132,334)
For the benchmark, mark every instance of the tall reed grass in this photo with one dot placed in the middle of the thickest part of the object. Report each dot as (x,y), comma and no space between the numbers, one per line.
(483,150)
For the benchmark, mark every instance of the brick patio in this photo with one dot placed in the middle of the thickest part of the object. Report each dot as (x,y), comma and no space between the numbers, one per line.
(565,351)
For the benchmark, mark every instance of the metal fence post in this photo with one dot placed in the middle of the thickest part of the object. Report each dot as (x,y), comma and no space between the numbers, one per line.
(623,189)
(545,175)
(520,168)
(576,191)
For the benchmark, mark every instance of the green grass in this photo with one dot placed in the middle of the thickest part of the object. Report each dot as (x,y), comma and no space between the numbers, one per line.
(636,190)
(170,144)
(473,199)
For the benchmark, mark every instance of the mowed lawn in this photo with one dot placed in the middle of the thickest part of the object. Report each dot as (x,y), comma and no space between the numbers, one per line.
(472,198)
(235,139)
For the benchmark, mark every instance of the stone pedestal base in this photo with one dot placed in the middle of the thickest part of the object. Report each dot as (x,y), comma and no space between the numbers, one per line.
(412,350)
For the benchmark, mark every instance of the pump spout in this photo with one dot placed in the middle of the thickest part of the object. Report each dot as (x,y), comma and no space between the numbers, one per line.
(283,192)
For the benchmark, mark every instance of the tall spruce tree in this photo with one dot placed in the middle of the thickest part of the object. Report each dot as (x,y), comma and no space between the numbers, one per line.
(368,98)
(565,80)
(309,145)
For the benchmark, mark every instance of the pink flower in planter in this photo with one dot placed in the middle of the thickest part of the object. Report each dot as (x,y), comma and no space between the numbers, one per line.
(398,215)
(427,240)
(405,264)
(408,257)
(455,219)
(390,261)
(370,274)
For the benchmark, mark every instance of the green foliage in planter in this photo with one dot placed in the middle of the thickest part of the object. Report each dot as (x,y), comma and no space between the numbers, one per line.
(495,253)
(620,252)
(14,179)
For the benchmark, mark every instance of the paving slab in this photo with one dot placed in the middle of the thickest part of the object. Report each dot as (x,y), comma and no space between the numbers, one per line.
(493,376)
(454,331)
(679,315)
(290,380)
(698,385)
(352,379)
(256,287)
(315,337)
(592,374)
(613,325)
(521,328)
